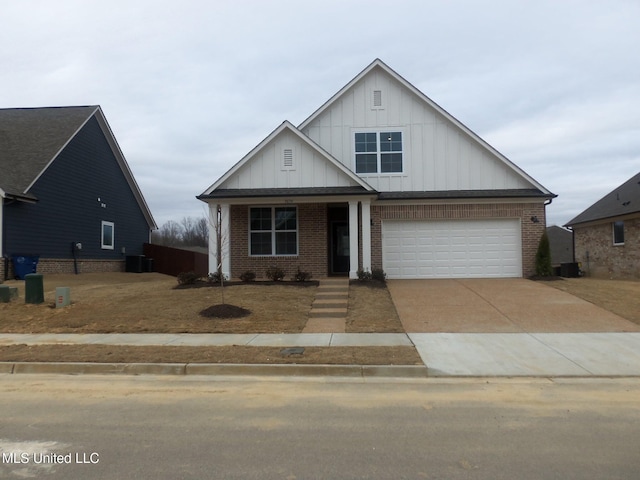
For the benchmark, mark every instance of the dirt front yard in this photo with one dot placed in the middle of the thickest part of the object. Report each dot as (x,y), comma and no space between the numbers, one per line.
(621,297)
(151,303)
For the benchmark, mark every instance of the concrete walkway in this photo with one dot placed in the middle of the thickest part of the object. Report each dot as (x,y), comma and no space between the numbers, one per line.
(444,354)
(329,309)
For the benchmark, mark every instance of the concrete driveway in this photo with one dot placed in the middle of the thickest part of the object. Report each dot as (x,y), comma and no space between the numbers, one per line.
(509,305)
(512,327)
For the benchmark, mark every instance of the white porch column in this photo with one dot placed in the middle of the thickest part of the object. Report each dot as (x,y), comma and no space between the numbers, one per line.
(353,239)
(213,244)
(219,227)
(225,219)
(366,234)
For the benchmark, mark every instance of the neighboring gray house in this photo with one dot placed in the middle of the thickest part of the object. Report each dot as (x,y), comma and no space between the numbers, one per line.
(380,176)
(561,243)
(65,182)
(607,234)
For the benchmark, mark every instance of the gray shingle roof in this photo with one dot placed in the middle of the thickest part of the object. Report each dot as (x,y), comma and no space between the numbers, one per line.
(284,192)
(623,200)
(30,138)
(443,194)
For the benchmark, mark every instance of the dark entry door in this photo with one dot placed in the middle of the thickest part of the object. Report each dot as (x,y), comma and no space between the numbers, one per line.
(339,247)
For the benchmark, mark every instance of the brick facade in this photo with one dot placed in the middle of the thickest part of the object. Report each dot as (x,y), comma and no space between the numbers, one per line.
(312,244)
(531,231)
(60,265)
(313,236)
(604,259)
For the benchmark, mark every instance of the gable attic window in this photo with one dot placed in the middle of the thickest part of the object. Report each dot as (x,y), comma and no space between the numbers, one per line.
(618,233)
(378,152)
(287,159)
(377,99)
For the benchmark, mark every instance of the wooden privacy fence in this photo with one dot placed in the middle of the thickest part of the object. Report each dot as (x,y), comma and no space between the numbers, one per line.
(172,261)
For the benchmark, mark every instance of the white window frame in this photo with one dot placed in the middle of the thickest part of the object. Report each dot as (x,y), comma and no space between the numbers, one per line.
(103,245)
(613,232)
(273,231)
(378,131)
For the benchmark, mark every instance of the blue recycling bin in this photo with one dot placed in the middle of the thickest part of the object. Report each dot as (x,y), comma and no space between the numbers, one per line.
(23,265)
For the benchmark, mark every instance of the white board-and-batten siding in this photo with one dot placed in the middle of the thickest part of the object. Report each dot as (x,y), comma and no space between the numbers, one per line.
(267,168)
(437,154)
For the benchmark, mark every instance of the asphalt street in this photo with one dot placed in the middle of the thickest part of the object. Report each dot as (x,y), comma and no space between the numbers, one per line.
(176,427)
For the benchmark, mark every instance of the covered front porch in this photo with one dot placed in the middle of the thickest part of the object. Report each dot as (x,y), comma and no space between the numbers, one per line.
(325,236)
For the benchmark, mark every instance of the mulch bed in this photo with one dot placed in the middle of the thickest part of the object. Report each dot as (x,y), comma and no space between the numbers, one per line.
(225,311)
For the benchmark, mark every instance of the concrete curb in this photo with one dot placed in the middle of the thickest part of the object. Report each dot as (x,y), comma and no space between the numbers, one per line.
(73,368)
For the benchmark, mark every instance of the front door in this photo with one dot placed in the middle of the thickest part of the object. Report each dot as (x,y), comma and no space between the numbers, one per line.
(339,262)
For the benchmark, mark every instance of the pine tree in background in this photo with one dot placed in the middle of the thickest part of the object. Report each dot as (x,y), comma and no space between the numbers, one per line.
(543,257)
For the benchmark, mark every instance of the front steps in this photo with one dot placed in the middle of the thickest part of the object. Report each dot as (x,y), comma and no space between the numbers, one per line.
(329,310)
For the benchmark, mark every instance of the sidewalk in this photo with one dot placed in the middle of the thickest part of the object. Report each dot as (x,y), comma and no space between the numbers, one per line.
(444,354)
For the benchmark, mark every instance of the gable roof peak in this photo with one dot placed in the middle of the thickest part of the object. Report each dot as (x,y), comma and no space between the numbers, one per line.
(286,125)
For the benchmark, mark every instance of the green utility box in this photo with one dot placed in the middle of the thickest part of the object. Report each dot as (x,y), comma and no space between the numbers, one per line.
(5,294)
(33,288)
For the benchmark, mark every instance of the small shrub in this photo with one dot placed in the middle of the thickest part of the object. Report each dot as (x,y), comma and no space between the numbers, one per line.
(301,276)
(543,257)
(375,275)
(363,275)
(275,274)
(378,275)
(248,276)
(217,277)
(187,278)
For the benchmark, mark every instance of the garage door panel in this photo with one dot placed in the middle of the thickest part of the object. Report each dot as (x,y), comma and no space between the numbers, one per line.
(452,248)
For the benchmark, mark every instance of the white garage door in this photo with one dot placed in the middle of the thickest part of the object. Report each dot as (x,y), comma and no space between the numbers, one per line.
(451,248)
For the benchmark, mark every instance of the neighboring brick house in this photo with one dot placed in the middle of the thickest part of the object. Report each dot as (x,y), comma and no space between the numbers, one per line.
(64,182)
(607,234)
(379,176)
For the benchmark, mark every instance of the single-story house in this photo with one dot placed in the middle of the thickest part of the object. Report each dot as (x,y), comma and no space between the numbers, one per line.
(67,194)
(378,177)
(607,234)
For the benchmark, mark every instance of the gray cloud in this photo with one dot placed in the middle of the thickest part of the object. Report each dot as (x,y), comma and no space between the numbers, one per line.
(190,87)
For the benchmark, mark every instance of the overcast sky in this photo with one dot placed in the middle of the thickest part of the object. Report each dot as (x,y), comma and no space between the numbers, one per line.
(189,87)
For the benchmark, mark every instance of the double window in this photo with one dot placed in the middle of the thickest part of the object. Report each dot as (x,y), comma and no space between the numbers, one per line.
(273,231)
(378,152)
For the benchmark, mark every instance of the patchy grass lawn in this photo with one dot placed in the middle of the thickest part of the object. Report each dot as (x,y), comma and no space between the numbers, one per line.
(149,302)
(371,310)
(621,297)
(227,354)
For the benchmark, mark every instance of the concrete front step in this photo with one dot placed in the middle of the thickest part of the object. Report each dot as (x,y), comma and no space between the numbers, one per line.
(332,290)
(344,294)
(327,302)
(328,313)
(323,305)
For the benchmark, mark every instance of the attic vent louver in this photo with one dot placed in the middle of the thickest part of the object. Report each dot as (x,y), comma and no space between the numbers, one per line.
(287,158)
(377,98)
